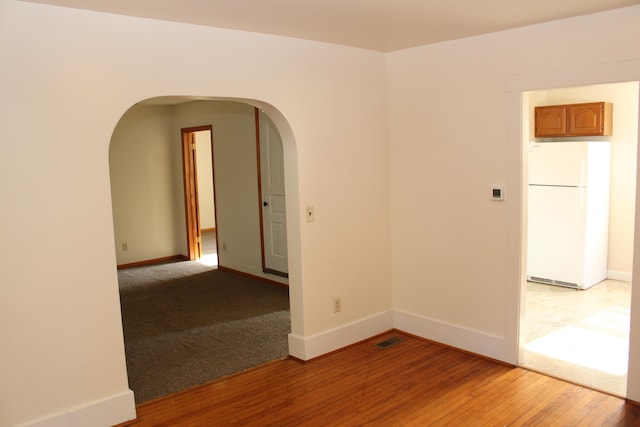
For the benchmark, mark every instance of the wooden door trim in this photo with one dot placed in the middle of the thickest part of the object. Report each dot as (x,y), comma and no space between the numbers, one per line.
(260,200)
(189,172)
(215,193)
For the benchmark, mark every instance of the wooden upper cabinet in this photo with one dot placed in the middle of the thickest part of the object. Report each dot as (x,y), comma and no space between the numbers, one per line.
(589,119)
(551,121)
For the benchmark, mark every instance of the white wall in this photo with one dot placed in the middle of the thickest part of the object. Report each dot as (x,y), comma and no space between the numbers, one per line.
(145,164)
(67,78)
(147,182)
(455,131)
(236,174)
(205,180)
(624,143)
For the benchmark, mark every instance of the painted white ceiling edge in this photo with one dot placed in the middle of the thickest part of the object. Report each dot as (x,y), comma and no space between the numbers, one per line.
(381,25)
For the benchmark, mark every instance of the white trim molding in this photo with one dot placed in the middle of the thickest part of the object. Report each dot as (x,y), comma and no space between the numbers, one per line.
(623,276)
(307,348)
(477,342)
(112,410)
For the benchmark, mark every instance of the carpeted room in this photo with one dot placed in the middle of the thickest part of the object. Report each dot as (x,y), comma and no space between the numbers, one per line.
(186,323)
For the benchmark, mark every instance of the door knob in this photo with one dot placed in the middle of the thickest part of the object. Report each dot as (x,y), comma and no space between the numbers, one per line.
(265,203)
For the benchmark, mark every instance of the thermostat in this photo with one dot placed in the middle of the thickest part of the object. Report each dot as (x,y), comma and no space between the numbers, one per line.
(498,192)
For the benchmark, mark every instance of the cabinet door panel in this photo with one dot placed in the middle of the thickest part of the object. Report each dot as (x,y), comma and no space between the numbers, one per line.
(551,121)
(586,119)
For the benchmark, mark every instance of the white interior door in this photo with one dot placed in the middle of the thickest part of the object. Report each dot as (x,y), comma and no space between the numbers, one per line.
(274,220)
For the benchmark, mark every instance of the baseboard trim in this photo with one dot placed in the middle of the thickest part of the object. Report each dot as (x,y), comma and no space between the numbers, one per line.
(275,272)
(633,402)
(623,276)
(163,260)
(466,339)
(113,410)
(252,276)
(307,348)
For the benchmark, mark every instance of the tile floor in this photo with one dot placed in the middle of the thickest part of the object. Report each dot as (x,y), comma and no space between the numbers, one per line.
(581,336)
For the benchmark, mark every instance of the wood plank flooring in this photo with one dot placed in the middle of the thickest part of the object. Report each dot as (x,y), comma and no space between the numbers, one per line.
(412,383)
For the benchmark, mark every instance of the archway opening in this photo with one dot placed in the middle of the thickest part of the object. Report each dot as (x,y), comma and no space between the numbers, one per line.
(150,223)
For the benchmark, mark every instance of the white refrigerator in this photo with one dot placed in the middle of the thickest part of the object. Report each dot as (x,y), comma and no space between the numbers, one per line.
(568,214)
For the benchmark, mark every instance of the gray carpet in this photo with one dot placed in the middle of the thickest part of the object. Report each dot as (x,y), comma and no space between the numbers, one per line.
(186,324)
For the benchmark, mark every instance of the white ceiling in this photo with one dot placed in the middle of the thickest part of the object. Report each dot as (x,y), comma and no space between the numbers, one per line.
(383,25)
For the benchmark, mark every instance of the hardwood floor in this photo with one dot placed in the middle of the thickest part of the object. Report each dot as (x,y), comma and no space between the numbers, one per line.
(411,383)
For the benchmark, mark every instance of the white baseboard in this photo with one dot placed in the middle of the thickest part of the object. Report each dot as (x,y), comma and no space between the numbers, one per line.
(619,275)
(306,348)
(477,342)
(113,410)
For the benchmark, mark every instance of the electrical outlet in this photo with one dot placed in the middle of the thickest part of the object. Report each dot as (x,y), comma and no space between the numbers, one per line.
(125,247)
(337,305)
(310,214)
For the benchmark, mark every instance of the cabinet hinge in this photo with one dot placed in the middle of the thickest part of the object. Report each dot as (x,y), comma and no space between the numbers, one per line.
(198,239)
(193,146)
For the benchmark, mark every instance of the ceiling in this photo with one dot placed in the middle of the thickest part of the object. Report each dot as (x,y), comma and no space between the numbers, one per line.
(382,25)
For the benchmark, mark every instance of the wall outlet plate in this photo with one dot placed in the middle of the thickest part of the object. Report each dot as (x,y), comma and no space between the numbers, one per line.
(310,214)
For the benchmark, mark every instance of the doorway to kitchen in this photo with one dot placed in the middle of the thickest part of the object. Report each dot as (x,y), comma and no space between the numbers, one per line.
(583,335)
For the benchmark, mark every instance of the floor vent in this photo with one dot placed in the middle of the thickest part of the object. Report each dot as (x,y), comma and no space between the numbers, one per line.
(552,282)
(389,342)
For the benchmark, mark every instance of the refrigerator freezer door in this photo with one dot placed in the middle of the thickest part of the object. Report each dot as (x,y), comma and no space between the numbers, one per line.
(558,163)
(556,245)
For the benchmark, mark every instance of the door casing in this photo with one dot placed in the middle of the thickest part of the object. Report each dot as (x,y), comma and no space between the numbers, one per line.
(192,208)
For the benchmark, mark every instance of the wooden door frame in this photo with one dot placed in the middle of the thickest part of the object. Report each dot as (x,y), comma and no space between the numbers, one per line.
(192,205)
(260,200)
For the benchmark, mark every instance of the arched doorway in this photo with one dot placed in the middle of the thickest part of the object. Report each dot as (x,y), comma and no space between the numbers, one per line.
(150,171)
